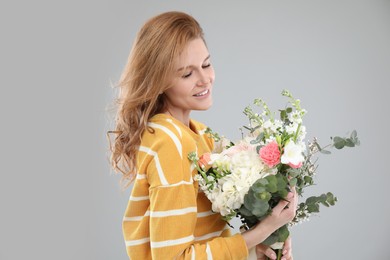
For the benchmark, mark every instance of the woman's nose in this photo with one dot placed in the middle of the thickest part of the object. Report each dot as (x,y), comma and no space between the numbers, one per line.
(203,79)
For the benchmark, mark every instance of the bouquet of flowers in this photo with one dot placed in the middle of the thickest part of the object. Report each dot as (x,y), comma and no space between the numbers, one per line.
(248,178)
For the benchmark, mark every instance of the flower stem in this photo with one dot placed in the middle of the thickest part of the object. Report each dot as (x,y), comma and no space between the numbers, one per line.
(279,254)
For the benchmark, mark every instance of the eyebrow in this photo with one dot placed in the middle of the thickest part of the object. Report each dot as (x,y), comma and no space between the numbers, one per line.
(193,66)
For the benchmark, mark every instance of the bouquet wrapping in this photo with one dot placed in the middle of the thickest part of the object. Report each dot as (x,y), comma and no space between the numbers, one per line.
(246,179)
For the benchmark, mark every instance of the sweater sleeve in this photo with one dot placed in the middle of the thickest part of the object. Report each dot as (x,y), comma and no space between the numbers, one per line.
(173,208)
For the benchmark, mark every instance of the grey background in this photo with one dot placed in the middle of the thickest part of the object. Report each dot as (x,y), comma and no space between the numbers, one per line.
(60,200)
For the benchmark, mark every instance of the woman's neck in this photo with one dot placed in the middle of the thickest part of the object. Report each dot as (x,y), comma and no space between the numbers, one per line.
(182,117)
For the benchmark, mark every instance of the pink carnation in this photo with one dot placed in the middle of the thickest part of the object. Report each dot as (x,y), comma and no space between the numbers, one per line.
(204,160)
(270,154)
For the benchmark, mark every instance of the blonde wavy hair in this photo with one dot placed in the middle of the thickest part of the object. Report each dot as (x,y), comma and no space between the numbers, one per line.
(147,74)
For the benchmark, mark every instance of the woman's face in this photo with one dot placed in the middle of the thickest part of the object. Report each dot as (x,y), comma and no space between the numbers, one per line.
(192,83)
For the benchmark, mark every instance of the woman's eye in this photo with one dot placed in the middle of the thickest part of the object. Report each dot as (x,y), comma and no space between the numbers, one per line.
(206,66)
(187,74)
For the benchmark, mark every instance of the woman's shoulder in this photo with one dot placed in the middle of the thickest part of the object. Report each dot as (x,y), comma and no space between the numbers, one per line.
(165,128)
(163,125)
(200,127)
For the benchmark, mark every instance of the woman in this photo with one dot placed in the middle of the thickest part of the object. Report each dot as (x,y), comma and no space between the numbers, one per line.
(169,74)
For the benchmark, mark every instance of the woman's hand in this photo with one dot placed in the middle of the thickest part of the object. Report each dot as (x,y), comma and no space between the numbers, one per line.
(263,251)
(281,214)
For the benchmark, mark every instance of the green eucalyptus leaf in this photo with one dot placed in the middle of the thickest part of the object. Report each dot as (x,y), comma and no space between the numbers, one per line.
(308,180)
(265,196)
(331,199)
(249,200)
(293,182)
(260,209)
(313,208)
(325,203)
(293,172)
(354,134)
(325,151)
(283,115)
(245,212)
(349,142)
(279,235)
(338,142)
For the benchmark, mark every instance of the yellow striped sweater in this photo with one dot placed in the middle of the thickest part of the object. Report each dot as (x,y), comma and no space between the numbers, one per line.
(166,217)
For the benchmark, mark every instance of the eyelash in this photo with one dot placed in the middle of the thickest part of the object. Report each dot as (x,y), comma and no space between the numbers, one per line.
(190,73)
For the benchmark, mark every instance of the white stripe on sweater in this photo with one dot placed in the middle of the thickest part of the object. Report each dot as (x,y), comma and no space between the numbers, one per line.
(140,176)
(208,252)
(209,235)
(137,242)
(175,126)
(137,218)
(139,198)
(205,214)
(157,162)
(193,253)
(171,135)
(172,242)
(174,212)
(178,184)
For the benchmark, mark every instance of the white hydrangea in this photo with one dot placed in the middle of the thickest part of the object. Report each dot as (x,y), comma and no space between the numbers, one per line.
(245,168)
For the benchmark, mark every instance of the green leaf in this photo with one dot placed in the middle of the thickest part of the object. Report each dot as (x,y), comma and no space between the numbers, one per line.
(280,235)
(258,139)
(313,208)
(245,212)
(258,149)
(293,182)
(293,172)
(324,151)
(354,134)
(331,199)
(289,110)
(261,209)
(308,180)
(338,142)
(265,196)
(249,200)
(349,142)
(283,115)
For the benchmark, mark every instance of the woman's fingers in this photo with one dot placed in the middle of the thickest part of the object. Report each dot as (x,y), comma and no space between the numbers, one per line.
(264,251)
(287,250)
(283,203)
(295,199)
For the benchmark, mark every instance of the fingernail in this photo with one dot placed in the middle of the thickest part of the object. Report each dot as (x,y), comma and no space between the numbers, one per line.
(283,258)
(285,252)
(273,256)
